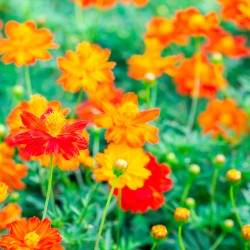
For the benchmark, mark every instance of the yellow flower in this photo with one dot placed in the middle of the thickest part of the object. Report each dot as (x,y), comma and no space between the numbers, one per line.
(3,191)
(181,214)
(233,175)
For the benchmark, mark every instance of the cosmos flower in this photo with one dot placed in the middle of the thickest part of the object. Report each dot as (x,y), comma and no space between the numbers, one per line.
(85,68)
(32,234)
(126,124)
(150,195)
(25,43)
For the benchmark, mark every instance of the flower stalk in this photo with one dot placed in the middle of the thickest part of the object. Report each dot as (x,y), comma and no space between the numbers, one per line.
(27,80)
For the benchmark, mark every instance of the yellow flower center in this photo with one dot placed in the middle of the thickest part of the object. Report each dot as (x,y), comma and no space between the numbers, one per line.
(226,119)
(3,191)
(54,122)
(129,109)
(227,42)
(166,28)
(31,239)
(197,20)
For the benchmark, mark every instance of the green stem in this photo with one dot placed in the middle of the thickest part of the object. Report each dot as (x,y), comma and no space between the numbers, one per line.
(154,94)
(77,102)
(218,241)
(27,79)
(53,203)
(96,143)
(246,245)
(148,96)
(119,216)
(154,246)
(234,206)
(213,188)
(168,207)
(180,237)
(104,214)
(49,188)
(79,178)
(186,190)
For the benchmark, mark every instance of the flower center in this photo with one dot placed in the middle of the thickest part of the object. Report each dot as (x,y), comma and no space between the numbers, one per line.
(129,109)
(166,28)
(226,119)
(31,239)
(55,122)
(197,20)
(227,42)
(3,191)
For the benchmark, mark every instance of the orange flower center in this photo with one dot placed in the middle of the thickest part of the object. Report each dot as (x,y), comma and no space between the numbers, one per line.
(227,42)
(166,28)
(129,109)
(3,191)
(197,20)
(54,122)
(31,239)
(226,119)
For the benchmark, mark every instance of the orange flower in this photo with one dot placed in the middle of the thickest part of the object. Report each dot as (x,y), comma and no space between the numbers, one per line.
(151,62)
(190,22)
(49,135)
(125,123)
(150,195)
(209,75)
(224,43)
(138,3)
(3,191)
(85,68)
(136,160)
(236,11)
(25,43)
(32,234)
(97,3)
(225,118)
(91,107)
(8,214)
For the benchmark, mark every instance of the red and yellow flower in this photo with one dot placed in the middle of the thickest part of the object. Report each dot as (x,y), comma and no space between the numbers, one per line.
(85,68)
(126,124)
(150,195)
(25,43)
(32,234)
(97,3)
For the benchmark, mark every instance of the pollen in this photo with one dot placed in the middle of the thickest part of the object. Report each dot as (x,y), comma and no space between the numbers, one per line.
(197,20)
(54,123)
(129,110)
(3,191)
(31,239)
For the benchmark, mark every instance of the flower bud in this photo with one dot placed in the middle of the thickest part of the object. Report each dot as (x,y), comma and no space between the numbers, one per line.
(171,158)
(2,130)
(3,191)
(14,196)
(194,169)
(159,232)
(246,232)
(18,90)
(120,167)
(219,160)
(217,58)
(181,214)
(228,225)
(233,175)
(190,202)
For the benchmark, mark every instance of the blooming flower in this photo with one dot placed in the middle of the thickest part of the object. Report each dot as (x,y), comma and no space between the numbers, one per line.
(209,75)
(9,214)
(85,68)
(135,174)
(225,118)
(224,43)
(151,62)
(125,123)
(32,234)
(51,134)
(25,43)
(150,195)
(181,214)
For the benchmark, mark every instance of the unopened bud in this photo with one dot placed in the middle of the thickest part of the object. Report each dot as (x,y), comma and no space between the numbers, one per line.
(228,225)
(233,175)
(3,131)
(18,90)
(194,169)
(171,158)
(14,196)
(246,232)
(219,160)
(120,167)
(159,232)
(217,58)
(190,202)
(150,78)
(181,214)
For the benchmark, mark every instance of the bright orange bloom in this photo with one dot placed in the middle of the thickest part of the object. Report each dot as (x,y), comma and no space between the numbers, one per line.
(104,92)
(97,3)
(190,22)
(150,195)
(25,43)
(32,234)
(224,43)
(198,67)
(85,68)
(3,191)
(125,123)
(136,160)
(225,118)
(236,11)
(151,62)
(50,135)
(138,3)
(8,214)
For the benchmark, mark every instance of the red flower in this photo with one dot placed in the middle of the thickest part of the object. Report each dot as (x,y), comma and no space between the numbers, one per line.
(50,135)
(151,194)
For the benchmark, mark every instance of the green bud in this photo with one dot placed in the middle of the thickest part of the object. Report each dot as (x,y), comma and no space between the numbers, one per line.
(190,202)
(194,169)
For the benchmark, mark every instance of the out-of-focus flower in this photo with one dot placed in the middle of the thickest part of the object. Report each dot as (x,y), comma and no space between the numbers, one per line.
(150,195)
(233,175)
(159,232)
(25,43)
(136,172)
(246,232)
(125,123)
(104,92)
(97,3)
(236,11)
(8,214)
(224,43)
(85,68)
(190,22)
(151,62)
(225,118)
(32,234)
(181,214)
(219,160)
(198,67)
(50,135)
(138,3)
(3,191)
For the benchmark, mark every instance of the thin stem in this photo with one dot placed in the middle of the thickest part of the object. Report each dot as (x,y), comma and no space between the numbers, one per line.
(186,189)
(154,94)
(96,143)
(218,241)
(234,206)
(154,246)
(213,188)
(180,237)
(104,214)
(27,79)
(168,207)
(79,178)
(77,102)
(148,96)
(119,216)
(246,245)
(53,203)
(49,188)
